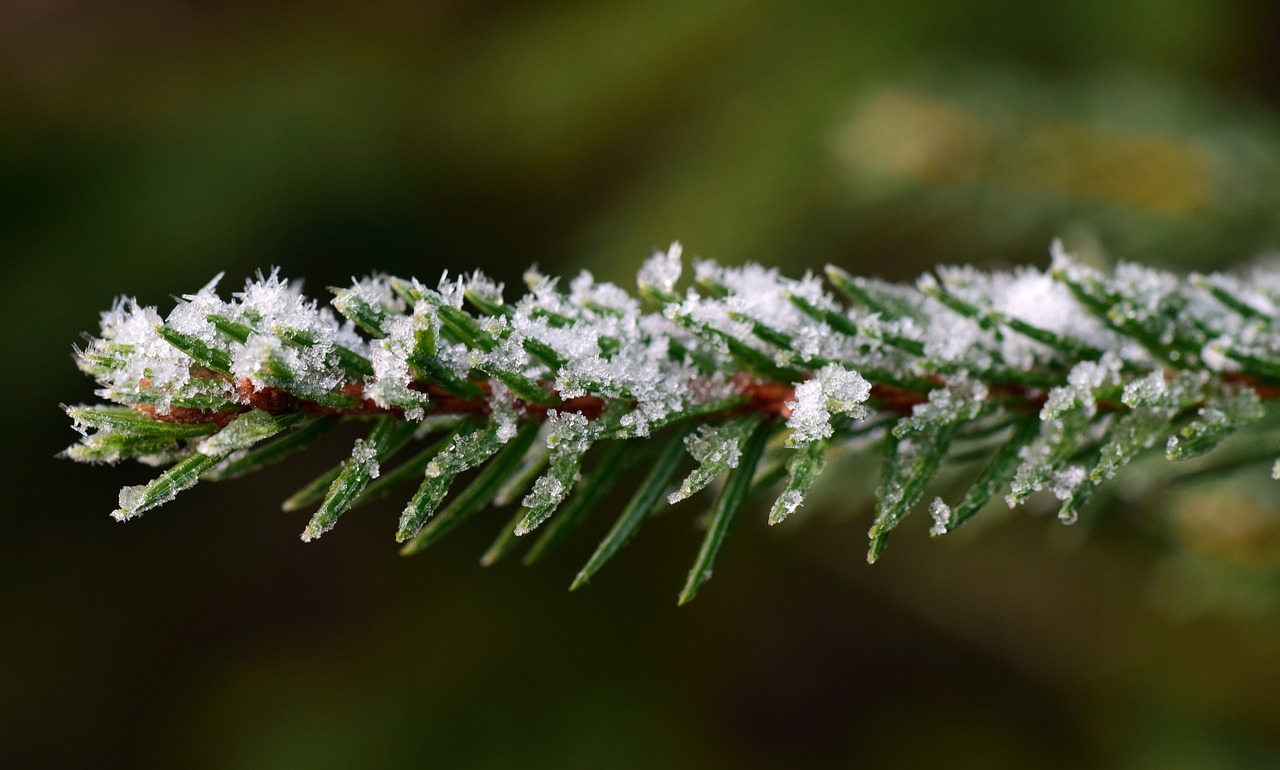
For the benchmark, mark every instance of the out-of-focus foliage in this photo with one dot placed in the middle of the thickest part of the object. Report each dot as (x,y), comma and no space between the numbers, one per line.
(146,146)
(1123,164)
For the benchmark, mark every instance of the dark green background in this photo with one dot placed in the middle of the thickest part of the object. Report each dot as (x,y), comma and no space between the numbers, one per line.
(145,147)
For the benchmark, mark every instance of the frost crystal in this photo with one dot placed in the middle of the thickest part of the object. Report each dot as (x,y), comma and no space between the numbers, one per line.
(570,432)
(1223,413)
(1040,458)
(1067,481)
(241,433)
(546,491)
(833,390)
(1086,382)
(392,375)
(941,514)
(786,504)
(662,270)
(502,408)
(365,455)
(717,449)
(465,451)
(961,399)
(809,420)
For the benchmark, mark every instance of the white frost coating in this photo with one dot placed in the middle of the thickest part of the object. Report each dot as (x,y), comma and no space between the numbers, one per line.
(845,390)
(129,326)
(268,307)
(960,399)
(809,419)
(1147,390)
(833,390)
(1037,299)
(78,424)
(1036,468)
(190,315)
(1060,259)
(1084,383)
(610,349)
(241,433)
(708,312)
(595,340)
(893,491)
(714,444)
(1027,295)
(392,374)
(1158,390)
(786,504)
(941,514)
(958,340)
(755,295)
(662,270)
(570,432)
(542,290)
(132,497)
(364,454)
(1252,292)
(133,500)
(547,491)
(463,452)
(482,287)
(502,410)
(761,294)
(1066,481)
(1214,355)
(1221,413)
(449,290)
(376,291)
(717,449)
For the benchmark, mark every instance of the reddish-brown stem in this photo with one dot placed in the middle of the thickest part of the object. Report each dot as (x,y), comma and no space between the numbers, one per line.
(770,399)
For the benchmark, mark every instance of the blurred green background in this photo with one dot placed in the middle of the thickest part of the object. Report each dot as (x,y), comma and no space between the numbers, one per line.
(146,146)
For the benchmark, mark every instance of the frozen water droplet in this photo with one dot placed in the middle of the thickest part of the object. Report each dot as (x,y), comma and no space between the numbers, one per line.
(941,513)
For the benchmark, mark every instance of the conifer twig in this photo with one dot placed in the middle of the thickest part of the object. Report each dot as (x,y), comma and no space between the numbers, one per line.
(1057,378)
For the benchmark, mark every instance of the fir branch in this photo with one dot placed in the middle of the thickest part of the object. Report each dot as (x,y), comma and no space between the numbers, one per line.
(1057,378)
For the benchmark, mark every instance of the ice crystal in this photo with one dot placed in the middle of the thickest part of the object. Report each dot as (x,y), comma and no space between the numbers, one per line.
(940,512)
(717,449)
(786,504)
(547,491)
(1040,458)
(1066,481)
(463,452)
(392,378)
(833,390)
(959,400)
(1222,414)
(1086,383)
(366,456)
(661,270)
(570,432)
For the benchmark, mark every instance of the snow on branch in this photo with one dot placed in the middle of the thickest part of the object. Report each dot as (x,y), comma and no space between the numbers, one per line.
(1057,379)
